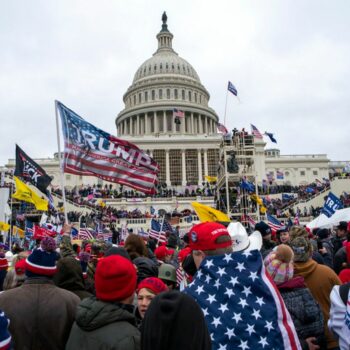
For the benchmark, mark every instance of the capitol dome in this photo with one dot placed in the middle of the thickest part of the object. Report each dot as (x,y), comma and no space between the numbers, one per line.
(161,84)
(167,115)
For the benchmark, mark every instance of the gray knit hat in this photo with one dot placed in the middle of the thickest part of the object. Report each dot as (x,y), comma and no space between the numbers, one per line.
(302,249)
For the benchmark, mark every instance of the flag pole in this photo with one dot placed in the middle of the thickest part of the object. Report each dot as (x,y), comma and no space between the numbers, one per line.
(62,180)
(161,229)
(11,227)
(225,108)
(257,196)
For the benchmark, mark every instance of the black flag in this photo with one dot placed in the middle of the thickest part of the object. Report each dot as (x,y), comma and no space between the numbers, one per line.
(30,171)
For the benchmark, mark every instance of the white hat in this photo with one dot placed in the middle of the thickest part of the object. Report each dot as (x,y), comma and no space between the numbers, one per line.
(240,239)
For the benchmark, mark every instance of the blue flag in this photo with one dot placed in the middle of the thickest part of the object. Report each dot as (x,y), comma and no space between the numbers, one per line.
(242,306)
(331,204)
(248,186)
(270,135)
(232,88)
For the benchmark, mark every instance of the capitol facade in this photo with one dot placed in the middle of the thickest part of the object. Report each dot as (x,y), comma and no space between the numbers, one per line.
(186,148)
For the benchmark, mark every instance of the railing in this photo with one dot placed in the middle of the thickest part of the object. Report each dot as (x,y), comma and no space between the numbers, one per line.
(73,203)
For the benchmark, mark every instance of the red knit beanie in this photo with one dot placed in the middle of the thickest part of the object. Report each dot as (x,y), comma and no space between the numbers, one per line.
(3,262)
(154,284)
(344,275)
(115,278)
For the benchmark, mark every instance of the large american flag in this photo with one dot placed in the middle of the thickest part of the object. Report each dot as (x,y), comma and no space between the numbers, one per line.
(242,306)
(256,132)
(93,152)
(274,223)
(157,231)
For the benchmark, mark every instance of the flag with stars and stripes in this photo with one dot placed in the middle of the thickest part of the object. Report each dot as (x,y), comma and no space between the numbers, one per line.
(157,231)
(274,223)
(242,306)
(85,234)
(256,132)
(91,151)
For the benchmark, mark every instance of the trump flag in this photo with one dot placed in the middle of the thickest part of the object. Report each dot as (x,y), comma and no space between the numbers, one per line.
(91,151)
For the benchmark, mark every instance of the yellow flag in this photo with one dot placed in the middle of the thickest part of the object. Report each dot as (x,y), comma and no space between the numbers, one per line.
(17,231)
(206,213)
(4,226)
(211,178)
(24,193)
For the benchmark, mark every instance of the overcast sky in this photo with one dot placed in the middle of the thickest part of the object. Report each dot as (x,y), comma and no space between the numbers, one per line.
(288,59)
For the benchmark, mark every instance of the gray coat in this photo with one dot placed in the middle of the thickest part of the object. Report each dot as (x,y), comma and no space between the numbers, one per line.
(101,325)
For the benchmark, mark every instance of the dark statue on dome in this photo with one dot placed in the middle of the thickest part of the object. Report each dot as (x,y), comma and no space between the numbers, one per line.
(164,25)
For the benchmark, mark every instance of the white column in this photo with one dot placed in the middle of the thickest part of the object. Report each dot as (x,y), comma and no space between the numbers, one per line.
(183,125)
(200,124)
(192,123)
(146,124)
(167,168)
(183,155)
(156,127)
(165,126)
(205,125)
(138,124)
(206,162)
(200,175)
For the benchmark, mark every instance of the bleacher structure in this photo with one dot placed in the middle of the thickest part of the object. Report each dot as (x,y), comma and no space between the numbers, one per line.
(236,163)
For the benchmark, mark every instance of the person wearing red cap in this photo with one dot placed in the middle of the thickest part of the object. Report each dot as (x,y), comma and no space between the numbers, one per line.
(146,291)
(163,254)
(107,320)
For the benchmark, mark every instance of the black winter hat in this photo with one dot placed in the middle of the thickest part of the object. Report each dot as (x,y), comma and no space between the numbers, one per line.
(263,228)
(174,321)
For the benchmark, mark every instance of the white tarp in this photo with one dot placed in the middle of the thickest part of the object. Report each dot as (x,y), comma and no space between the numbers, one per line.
(323,221)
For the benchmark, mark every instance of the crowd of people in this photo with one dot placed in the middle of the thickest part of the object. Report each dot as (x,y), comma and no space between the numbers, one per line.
(218,287)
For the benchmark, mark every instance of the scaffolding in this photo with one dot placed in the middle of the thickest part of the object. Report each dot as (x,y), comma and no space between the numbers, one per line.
(236,163)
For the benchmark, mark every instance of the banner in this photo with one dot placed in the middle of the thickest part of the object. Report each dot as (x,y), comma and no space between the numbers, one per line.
(30,171)
(24,193)
(211,179)
(331,204)
(4,226)
(206,213)
(91,151)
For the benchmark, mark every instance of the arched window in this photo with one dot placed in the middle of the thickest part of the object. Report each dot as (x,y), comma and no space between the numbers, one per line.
(146,96)
(168,94)
(140,97)
(175,94)
(160,92)
(183,95)
(153,95)
(190,96)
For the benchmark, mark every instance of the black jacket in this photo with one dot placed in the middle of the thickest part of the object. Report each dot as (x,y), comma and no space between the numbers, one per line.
(339,260)
(105,326)
(304,310)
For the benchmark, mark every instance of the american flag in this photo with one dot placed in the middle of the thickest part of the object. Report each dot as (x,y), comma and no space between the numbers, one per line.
(105,235)
(157,231)
(242,306)
(178,113)
(274,223)
(256,132)
(222,128)
(85,234)
(251,222)
(232,88)
(93,152)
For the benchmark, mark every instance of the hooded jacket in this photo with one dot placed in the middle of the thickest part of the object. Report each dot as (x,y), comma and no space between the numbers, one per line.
(69,276)
(101,325)
(305,312)
(320,279)
(41,314)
